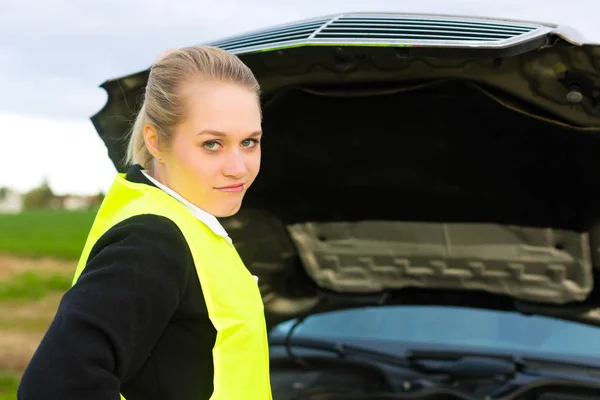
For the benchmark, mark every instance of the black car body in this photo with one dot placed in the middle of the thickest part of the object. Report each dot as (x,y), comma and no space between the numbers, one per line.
(426,220)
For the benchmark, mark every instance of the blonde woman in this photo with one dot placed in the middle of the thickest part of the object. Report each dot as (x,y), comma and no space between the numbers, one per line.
(161,306)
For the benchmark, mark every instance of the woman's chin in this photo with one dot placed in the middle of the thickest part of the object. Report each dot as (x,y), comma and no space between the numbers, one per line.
(226,210)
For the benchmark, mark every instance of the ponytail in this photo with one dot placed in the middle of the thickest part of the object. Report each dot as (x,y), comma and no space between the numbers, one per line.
(137,152)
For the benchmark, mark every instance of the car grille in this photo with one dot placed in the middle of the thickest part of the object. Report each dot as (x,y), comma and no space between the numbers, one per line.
(405,29)
(272,37)
(385,29)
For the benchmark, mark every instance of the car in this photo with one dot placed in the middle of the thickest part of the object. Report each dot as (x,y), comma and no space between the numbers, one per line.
(426,223)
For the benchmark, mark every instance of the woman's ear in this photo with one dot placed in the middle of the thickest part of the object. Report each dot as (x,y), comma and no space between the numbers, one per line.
(152,141)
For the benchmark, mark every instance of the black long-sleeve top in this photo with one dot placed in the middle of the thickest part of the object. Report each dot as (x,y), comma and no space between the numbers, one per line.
(134,323)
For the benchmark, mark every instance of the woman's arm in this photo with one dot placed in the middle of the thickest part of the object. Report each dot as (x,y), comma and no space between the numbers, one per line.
(109,321)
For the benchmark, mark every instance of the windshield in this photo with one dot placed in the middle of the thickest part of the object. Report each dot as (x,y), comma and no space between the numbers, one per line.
(453,326)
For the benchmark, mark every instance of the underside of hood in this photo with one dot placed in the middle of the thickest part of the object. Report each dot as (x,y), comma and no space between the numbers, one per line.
(440,188)
(390,177)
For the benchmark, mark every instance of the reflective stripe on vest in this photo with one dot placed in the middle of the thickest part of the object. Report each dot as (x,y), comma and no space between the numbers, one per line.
(233,300)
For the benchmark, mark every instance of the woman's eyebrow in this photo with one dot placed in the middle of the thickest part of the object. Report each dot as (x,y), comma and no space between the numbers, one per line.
(214,133)
(222,134)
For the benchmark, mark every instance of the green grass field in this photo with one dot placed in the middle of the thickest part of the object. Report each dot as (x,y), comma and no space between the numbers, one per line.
(30,286)
(52,233)
(9,382)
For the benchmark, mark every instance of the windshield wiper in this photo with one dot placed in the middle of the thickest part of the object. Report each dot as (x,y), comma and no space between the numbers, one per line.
(520,364)
(464,364)
(444,372)
(454,365)
(451,363)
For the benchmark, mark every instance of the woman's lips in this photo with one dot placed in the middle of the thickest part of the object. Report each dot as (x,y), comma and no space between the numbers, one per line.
(231,188)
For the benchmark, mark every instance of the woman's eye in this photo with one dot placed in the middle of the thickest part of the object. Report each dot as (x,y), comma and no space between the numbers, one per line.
(250,143)
(211,145)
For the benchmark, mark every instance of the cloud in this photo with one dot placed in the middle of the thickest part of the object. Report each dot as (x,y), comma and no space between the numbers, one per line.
(69,153)
(54,58)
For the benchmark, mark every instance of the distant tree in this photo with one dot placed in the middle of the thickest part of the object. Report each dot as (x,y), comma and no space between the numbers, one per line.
(3,193)
(97,199)
(39,197)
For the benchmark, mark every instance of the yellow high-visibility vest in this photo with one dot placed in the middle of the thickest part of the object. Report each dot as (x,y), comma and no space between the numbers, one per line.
(233,300)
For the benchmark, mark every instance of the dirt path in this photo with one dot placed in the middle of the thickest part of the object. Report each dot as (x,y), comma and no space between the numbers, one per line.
(23,323)
(10,264)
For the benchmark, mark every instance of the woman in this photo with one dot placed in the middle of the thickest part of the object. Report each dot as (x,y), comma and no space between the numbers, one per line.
(162,306)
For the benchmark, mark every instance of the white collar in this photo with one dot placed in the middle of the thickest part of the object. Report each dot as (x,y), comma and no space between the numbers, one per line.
(208,219)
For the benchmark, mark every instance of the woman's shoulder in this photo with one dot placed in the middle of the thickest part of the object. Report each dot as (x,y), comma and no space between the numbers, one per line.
(145,229)
(153,242)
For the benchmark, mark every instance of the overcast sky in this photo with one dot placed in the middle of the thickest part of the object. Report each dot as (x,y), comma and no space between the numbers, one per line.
(54,54)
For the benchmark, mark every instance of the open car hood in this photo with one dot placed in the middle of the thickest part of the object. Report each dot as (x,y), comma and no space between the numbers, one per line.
(416,159)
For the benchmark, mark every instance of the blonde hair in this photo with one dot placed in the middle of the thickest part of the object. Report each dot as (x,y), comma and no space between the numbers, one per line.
(164,104)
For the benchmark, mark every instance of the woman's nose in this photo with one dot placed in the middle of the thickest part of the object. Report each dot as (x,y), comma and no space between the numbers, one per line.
(235,165)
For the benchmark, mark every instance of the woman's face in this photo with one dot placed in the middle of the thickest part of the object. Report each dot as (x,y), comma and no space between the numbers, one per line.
(214,155)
